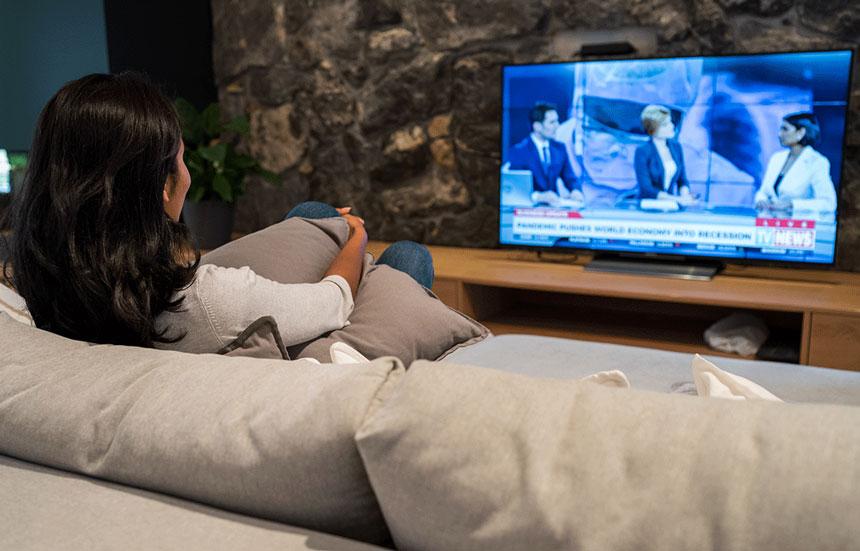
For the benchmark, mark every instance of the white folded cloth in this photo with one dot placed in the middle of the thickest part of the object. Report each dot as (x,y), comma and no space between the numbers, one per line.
(613,378)
(713,382)
(740,332)
(710,381)
(342,353)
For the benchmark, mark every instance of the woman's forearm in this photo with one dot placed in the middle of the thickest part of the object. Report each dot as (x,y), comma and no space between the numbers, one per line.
(350,260)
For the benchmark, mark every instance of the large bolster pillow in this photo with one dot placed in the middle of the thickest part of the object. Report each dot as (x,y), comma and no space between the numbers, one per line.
(268,438)
(464,457)
(393,316)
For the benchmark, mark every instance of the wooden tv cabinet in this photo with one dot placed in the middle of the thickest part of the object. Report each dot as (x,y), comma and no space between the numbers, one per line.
(814,313)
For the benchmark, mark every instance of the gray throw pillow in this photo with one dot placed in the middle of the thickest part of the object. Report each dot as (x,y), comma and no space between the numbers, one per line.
(467,457)
(393,316)
(297,250)
(261,339)
(268,438)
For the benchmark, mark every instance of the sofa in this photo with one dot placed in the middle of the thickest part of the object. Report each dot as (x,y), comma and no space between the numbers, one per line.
(502,442)
(499,446)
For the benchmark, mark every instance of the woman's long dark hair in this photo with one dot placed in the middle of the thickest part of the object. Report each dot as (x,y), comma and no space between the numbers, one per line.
(92,250)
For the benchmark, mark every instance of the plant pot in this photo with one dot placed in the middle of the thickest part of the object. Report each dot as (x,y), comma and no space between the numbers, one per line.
(210,222)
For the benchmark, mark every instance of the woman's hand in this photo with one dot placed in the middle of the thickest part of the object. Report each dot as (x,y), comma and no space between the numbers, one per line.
(686,198)
(781,204)
(350,261)
(356,224)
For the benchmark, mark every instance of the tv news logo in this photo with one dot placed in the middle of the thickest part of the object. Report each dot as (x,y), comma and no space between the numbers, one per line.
(785,234)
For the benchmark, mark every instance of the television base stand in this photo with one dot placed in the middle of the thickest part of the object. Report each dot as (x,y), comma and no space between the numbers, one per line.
(677,268)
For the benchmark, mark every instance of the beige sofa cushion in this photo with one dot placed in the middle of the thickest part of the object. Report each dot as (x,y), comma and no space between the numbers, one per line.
(53,510)
(467,457)
(393,316)
(269,438)
(652,369)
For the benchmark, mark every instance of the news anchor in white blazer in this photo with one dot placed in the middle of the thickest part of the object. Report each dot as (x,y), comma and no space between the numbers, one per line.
(797,178)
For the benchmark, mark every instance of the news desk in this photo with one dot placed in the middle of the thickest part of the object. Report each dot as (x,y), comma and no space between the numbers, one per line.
(815,312)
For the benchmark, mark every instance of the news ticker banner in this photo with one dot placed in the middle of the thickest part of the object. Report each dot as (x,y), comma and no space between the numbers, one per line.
(758,232)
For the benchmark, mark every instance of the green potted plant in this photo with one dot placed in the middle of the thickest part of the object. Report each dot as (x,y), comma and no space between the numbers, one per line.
(18,167)
(217,171)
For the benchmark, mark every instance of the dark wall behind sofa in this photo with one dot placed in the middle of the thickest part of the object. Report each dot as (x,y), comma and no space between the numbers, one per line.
(43,45)
(169,41)
(393,105)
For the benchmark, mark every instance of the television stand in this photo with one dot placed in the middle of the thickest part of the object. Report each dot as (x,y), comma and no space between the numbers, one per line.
(675,267)
(814,313)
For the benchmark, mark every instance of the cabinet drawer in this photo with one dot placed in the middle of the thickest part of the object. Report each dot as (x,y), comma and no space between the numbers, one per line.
(448,292)
(835,341)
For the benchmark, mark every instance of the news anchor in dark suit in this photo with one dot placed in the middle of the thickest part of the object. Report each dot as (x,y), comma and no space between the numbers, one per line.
(659,164)
(546,158)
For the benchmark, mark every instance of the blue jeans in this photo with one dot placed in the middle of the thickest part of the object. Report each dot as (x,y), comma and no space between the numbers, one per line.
(407,256)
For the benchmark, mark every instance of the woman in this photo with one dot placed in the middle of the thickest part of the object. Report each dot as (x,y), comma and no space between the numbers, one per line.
(98,252)
(797,178)
(659,163)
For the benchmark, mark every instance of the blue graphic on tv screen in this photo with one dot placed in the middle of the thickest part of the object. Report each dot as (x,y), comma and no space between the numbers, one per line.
(736,156)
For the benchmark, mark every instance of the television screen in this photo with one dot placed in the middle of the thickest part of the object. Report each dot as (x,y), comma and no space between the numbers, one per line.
(731,156)
(5,172)
(12,166)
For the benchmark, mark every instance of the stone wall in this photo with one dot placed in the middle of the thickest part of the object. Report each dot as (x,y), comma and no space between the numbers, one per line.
(392,106)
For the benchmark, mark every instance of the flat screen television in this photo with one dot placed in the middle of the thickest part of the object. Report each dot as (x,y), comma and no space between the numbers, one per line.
(725,157)
(12,166)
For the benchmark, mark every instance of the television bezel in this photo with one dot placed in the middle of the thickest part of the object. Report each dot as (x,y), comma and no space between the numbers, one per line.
(575,251)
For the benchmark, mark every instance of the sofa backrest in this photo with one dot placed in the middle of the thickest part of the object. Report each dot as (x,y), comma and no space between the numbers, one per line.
(467,457)
(269,438)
